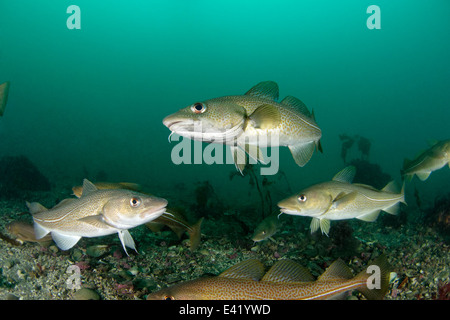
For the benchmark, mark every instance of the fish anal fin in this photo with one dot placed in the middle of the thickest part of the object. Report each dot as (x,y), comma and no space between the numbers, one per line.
(338,270)
(423,175)
(286,271)
(251,269)
(265,89)
(265,116)
(63,241)
(394,209)
(302,153)
(369,217)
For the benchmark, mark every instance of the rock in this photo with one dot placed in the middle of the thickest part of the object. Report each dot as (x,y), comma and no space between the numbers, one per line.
(86,294)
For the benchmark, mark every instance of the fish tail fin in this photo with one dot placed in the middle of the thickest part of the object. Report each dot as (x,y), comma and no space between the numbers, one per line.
(195,234)
(376,275)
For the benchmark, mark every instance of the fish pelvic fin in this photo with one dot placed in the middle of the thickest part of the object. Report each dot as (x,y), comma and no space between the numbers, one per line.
(376,277)
(127,240)
(323,224)
(239,158)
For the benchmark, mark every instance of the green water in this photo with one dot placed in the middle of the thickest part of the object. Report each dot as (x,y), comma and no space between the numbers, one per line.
(87,100)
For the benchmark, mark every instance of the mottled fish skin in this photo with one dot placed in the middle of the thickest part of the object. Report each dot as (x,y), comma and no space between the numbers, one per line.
(432,159)
(339,199)
(286,280)
(243,120)
(96,213)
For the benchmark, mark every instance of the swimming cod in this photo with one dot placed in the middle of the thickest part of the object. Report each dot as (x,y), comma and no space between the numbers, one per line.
(432,159)
(250,121)
(96,213)
(285,280)
(339,199)
(267,228)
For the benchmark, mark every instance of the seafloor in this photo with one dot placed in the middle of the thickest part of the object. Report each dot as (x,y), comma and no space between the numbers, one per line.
(417,252)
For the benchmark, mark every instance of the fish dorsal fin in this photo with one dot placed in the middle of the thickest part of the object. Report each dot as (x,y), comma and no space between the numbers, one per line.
(338,270)
(391,187)
(287,271)
(296,104)
(251,269)
(345,175)
(64,202)
(88,188)
(265,89)
(266,116)
(35,207)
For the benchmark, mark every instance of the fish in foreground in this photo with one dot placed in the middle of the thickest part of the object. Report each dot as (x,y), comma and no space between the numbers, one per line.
(96,213)
(174,220)
(267,228)
(285,280)
(4,89)
(432,159)
(339,199)
(241,121)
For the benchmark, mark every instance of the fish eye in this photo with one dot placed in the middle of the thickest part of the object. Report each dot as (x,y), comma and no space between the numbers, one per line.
(135,202)
(169,298)
(302,198)
(198,107)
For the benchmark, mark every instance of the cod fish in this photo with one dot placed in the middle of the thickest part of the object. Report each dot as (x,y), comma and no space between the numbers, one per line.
(339,199)
(170,218)
(4,89)
(241,122)
(267,228)
(96,213)
(285,280)
(432,159)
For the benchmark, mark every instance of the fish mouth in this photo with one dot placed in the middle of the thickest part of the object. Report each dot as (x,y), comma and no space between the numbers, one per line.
(289,211)
(155,211)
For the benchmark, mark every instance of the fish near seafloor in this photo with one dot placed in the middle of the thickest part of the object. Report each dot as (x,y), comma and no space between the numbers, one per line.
(267,228)
(285,280)
(24,232)
(179,225)
(339,199)
(250,121)
(174,220)
(96,213)
(432,159)
(4,89)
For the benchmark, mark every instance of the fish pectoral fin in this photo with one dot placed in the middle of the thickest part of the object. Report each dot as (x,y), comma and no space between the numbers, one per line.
(265,89)
(302,153)
(239,158)
(343,199)
(285,271)
(96,221)
(127,240)
(369,217)
(265,116)
(251,269)
(423,175)
(63,241)
(323,224)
